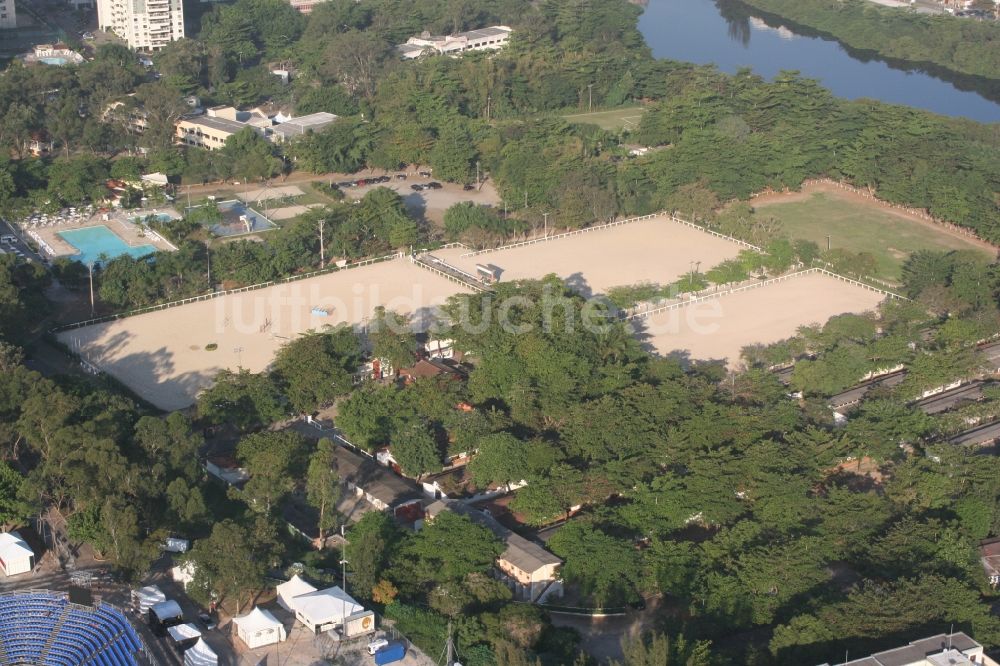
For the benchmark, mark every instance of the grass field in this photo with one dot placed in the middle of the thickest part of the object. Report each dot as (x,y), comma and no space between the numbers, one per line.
(615,119)
(861,227)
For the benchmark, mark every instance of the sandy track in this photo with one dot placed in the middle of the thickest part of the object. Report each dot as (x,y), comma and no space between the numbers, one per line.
(162,355)
(719,328)
(656,250)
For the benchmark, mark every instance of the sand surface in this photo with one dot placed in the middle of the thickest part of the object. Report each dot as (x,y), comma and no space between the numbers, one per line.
(162,357)
(656,250)
(719,328)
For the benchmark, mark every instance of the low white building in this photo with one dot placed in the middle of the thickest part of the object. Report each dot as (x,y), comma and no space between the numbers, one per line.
(259,628)
(16,556)
(485,39)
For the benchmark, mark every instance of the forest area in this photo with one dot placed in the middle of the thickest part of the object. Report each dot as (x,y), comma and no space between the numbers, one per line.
(771,534)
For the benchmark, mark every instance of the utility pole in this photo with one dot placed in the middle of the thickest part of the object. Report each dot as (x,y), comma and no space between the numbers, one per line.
(449,648)
(208,260)
(828,243)
(526,198)
(590,96)
(90,266)
(546,216)
(477,174)
(343,561)
(322,253)
(488,99)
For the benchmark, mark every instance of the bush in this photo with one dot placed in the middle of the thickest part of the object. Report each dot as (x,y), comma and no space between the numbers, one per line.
(211,346)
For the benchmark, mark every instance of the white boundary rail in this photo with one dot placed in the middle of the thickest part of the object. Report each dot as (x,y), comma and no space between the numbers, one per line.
(755,285)
(609,225)
(226,292)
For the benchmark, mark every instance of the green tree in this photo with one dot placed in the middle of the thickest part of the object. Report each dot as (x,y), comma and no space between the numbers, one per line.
(226,564)
(243,399)
(274,460)
(392,338)
(323,486)
(317,367)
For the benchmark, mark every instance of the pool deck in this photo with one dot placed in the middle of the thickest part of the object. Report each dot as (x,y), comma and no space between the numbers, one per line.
(117,222)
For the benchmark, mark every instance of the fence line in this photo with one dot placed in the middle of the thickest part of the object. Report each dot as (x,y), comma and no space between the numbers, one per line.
(609,225)
(922,213)
(756,285)
(224,292)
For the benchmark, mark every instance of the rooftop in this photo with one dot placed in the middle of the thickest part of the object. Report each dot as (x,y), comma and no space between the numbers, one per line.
(524,554)
(220,124)
(939,650)
(303,124)
(376,480)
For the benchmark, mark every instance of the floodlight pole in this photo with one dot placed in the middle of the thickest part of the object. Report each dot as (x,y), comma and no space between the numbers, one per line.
(828,243)
(90,267)
(322,254)
(546,216)
(590,95)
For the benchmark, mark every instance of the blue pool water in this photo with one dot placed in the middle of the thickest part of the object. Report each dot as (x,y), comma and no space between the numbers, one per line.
(97,243)
(54,60)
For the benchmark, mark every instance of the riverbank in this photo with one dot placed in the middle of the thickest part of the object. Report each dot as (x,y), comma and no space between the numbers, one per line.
(961,46)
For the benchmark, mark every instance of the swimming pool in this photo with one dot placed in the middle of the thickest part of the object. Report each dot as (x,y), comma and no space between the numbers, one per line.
(95,243)
(54,60)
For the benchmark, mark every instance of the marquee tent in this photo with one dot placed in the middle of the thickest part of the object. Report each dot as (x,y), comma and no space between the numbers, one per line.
(259,628)
(16,556)
(324,609)
(290,590)
(200,654)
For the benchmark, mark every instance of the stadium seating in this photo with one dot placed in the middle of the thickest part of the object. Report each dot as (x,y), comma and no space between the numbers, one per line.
(45,629)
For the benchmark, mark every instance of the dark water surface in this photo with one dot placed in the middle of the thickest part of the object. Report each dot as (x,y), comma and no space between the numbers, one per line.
(731,35)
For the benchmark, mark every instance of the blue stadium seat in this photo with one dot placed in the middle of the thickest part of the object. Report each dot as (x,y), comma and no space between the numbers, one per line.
(44,629)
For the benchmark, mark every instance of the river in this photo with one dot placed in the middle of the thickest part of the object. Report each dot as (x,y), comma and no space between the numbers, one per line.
(732,35)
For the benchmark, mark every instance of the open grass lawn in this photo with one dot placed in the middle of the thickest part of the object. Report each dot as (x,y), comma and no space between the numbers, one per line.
(615,119)
(860,227)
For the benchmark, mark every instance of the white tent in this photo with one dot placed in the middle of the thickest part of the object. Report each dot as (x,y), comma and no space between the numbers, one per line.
(324,609)
(183,632)
(16,556)
(167,610)
(259,628)
(290,590)
(147,597)
(183,573)
(200,654)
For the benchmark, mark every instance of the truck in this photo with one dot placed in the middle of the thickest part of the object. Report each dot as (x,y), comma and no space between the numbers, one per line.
(390,654)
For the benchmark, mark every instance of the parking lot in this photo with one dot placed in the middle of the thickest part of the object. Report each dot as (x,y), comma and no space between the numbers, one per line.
(423,195)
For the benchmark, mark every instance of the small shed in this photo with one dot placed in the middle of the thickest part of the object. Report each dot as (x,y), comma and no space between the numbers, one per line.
(16,556)
(145,598)
(259,628)
(200,654)
(291,589)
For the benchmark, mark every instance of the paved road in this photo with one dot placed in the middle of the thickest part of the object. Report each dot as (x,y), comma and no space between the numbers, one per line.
(977,436)
(942,402)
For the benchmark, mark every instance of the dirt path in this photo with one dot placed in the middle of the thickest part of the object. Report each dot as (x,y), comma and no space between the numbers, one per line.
(813,187)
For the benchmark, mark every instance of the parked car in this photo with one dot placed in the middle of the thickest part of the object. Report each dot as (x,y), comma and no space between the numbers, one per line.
(468,187)
(207,621)
(382,179)
(345,183)
(416,187)
(425,174)
(361,182)
(434,185)
(400,176)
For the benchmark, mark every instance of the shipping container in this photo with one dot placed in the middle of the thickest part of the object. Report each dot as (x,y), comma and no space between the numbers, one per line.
(390,654)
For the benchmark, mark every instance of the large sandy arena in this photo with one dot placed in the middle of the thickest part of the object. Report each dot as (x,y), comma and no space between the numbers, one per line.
(718,328)
(162,357)
(656,250)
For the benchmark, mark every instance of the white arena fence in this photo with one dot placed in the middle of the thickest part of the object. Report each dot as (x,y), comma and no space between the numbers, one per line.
(225,292)
(754,285)
(609,225)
